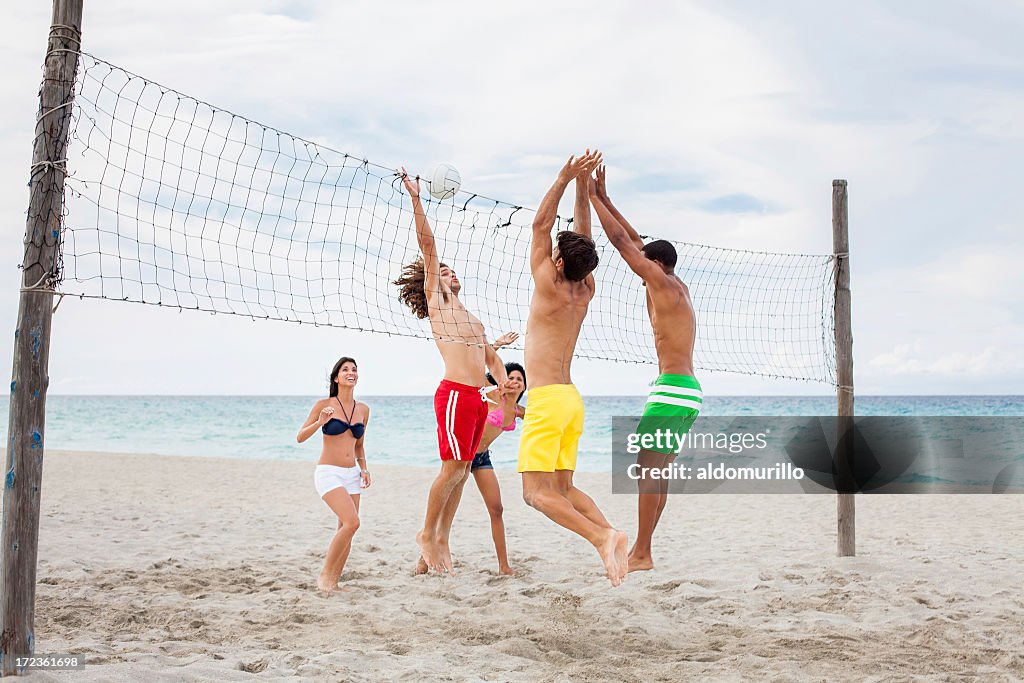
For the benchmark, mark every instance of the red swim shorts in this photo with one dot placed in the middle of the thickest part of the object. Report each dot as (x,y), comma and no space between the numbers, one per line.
(461,416)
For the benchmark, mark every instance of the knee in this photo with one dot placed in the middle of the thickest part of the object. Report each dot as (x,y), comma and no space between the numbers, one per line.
(648,487)
(495,510)
(349,526)
(456,474)
(530,497)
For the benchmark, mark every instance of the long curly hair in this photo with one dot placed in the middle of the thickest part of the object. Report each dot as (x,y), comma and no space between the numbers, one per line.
(410,287)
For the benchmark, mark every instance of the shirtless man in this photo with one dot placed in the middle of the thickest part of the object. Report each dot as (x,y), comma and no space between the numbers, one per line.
(675,398)
(431,289)
(563,289)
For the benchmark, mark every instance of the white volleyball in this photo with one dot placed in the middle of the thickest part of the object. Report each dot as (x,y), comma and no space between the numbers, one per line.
(444,181)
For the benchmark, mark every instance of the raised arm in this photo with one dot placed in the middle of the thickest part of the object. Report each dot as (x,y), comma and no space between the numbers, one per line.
(425,238)
(540,245)
(494,364)
(581,222)
(601,188)
(623,241)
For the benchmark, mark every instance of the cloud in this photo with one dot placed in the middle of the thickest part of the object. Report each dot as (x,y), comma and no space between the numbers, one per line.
(954,320)
(706,111)
(737,203)
(919,358)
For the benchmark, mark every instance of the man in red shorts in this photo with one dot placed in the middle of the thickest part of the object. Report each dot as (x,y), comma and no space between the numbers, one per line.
(431,289)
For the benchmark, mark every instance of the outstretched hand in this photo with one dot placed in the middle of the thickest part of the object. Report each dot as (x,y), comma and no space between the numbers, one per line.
(599,186)
(575,166)
(505,339)
(593,161)
(412,185)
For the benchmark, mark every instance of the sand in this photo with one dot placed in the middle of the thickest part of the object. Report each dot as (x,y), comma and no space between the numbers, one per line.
(163,568)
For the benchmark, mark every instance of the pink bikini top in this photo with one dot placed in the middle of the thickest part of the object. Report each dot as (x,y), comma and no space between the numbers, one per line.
(497,418)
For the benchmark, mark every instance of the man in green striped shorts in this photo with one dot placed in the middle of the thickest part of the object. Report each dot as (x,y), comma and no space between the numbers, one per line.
(672,406)
(675,399)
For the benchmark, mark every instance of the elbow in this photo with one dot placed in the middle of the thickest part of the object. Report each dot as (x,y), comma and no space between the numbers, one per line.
(543,220)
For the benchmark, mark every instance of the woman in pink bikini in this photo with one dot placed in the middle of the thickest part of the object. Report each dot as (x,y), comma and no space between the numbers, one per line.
(501,418)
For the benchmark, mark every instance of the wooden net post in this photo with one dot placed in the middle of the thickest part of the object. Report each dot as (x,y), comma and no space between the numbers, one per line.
(24,470)
(846,541)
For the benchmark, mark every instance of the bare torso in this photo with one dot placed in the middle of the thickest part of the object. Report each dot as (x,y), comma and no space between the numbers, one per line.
(340,450)
(674,324)
(556,316)
(460,338)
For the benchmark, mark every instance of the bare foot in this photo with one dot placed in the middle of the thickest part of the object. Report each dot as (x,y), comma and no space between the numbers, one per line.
(325,585)
(640,564)
(421,566)
(431,553)
(621,560)
(446,554)
(507,571)
(613,554)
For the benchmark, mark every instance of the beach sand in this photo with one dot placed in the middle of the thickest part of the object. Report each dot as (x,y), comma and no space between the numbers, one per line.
(172,569)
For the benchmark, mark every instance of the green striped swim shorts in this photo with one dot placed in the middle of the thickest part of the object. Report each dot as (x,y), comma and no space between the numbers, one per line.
(672,407)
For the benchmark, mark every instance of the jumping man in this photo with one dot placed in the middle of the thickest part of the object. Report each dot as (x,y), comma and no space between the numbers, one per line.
(563,289)
(675,398)
(431,289)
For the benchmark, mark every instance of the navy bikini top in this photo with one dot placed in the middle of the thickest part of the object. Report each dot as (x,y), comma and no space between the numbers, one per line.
(335,427)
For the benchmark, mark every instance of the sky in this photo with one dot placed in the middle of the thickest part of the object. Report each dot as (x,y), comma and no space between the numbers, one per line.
(722,123)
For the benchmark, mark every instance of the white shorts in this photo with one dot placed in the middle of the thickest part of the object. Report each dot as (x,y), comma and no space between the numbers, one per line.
(329,477)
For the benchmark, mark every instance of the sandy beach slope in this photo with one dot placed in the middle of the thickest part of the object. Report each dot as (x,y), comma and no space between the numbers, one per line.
(189,569)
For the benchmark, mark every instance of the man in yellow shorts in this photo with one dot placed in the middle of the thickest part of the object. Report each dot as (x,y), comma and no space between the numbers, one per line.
(676,397)
(563,289)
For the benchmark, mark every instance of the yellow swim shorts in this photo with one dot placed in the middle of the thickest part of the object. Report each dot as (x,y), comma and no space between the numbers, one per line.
(551,429)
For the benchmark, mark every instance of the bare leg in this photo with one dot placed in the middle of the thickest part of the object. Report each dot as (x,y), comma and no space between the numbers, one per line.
(487,483)
(583,503)
(651,499)
(448,517)
(339,566)
(452,473)
(540,491)
(341,503)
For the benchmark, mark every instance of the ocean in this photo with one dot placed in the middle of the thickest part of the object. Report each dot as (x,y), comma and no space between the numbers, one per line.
(402,428)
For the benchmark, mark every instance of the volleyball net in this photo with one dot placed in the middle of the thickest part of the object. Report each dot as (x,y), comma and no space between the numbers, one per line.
(174,202)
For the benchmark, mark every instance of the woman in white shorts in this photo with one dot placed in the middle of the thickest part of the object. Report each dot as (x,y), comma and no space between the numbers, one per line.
(341,473)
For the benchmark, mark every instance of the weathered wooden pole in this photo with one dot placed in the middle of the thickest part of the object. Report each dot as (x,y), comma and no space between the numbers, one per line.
(24,470)
(846,544)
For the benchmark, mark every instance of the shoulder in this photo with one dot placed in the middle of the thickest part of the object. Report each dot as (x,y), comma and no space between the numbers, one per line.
(678,283)
(321,403)
(660,280)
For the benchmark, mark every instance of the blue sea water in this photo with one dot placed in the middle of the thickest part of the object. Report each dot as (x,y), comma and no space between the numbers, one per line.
(402,428)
